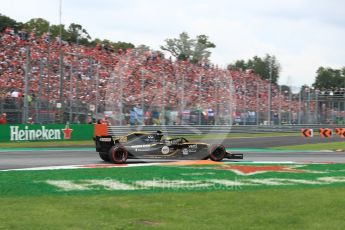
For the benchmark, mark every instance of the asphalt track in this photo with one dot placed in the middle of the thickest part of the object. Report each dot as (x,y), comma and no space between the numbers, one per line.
(29,158)
(267,142)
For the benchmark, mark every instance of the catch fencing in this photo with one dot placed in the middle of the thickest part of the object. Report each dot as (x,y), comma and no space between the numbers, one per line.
(74,85)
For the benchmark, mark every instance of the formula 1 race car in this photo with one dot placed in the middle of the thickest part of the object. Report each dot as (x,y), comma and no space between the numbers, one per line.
(142,145)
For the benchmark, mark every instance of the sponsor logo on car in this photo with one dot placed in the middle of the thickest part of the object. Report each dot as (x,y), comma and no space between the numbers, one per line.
(105,139)
(165,150)
(140,146)
(192,148)
(185,151)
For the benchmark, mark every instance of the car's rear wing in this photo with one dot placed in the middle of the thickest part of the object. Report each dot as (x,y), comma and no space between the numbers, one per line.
(103,143)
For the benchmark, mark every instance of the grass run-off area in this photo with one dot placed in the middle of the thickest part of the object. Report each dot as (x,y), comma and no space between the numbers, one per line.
(294,208)
(334,146)
(45,144)
(242,135)
(200,195)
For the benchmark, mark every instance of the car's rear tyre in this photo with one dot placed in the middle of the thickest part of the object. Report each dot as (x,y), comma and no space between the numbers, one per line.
(118,154)
(217,152)
(104,156)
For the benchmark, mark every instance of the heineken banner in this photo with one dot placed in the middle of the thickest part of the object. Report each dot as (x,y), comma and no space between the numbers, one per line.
(53,132)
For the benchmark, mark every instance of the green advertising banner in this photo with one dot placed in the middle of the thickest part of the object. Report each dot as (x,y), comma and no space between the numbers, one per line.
(53,132)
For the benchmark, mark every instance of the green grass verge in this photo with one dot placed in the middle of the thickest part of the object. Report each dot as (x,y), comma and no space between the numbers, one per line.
(28,202)
(340,146)
(312,208)
(44,144)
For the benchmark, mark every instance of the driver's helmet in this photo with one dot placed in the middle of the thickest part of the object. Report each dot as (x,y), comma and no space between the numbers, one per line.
(159,135)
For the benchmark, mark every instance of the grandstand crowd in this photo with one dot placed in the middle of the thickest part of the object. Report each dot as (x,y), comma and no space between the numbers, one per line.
(122,80)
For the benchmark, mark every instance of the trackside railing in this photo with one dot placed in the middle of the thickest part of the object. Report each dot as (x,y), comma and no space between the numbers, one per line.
(218,129)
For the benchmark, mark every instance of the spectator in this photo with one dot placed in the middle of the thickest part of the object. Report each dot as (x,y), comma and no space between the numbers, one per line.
(210,116)
(133,117)
(30,121)
(155,117)
(106,120)
(3,119)
(145,77)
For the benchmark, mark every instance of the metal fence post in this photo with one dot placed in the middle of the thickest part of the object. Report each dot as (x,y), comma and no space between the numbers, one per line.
(39,99)
(143,96)
(61,119)
(231,89)
(163,104)
(182,96)
(26,86)
(270,94)
(244,98)
(280,106)
(97,90)
(257,102)
(199,99)
(299,106)
(121,99)
(70,93)
(317,106)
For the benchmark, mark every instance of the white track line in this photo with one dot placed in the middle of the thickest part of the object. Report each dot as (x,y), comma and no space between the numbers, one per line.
(91,166)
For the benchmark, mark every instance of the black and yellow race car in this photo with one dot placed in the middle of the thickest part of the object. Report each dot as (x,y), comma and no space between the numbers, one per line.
(141,145)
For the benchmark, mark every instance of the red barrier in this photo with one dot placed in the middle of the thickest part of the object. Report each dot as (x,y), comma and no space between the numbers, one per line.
(101,130)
